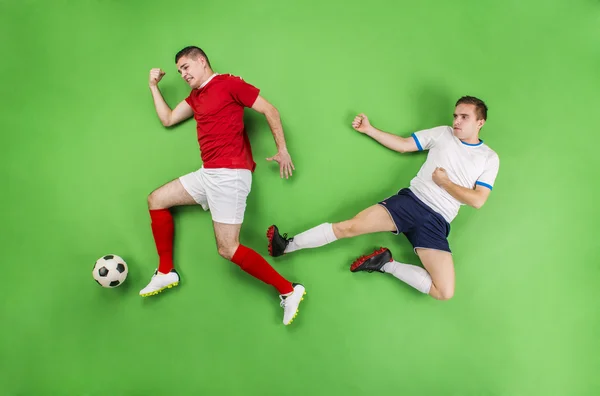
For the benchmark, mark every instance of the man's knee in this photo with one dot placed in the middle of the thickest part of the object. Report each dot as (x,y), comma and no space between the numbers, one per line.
(446,292)
(154,200)
(227,251)
(346,229)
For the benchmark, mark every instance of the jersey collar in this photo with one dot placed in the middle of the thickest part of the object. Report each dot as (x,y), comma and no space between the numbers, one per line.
(207,81)
(473,144)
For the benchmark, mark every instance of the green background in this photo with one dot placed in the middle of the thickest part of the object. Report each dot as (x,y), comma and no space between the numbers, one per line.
(82,148)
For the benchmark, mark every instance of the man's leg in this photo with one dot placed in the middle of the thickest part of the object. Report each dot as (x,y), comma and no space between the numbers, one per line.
(440,266)
(229,247)
(436,279)
(373,219)
(159,202)
(427,231)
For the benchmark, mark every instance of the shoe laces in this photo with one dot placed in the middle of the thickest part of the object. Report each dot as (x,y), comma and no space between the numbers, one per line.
(284,300)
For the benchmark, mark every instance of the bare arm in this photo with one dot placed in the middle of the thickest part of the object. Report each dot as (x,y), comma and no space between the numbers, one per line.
(394,142)
(475,198)
(262,106)
(168,117)
(284,159)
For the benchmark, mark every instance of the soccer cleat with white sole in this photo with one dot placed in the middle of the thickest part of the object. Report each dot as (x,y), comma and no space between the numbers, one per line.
(160,282)
(291,303)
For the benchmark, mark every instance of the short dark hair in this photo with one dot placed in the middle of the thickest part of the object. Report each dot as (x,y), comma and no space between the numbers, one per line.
(192,52)
(480,107)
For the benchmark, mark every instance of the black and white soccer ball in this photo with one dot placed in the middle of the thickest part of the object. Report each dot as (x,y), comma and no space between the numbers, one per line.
(110,271)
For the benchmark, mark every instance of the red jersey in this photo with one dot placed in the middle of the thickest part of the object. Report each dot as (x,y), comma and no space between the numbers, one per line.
(219,113)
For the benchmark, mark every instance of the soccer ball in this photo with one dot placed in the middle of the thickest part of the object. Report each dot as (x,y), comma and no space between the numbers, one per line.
(110,271)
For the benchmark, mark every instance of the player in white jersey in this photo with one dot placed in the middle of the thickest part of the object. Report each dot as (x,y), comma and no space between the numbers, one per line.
(459,170)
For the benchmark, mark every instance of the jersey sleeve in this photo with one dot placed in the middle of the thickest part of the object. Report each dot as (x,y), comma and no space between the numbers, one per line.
(488,176)
(427,138)
(190,100)
(243,93)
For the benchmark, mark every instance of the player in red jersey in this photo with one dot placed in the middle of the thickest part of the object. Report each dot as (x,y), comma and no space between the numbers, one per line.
(222,184)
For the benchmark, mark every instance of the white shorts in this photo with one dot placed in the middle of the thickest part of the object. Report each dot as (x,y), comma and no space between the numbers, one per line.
(221,191)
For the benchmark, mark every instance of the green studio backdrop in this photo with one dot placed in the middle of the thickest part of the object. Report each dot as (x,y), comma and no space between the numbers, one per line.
(82,148)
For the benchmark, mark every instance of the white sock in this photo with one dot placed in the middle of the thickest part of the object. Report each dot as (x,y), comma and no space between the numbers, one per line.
(412,275)
(315,237)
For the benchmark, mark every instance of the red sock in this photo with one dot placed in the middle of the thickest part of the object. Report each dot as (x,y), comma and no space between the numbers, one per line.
(162,229)
(255,265)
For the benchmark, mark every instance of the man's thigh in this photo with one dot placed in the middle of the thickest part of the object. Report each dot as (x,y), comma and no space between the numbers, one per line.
(194,184)
(440,266)
(227,191)
(170,194)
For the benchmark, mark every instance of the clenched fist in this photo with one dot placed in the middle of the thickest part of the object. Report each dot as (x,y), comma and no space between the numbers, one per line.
(155,76)
(361,123)
(440,177)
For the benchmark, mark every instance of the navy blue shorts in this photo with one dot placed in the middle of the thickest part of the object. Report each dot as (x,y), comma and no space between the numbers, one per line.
(424,227)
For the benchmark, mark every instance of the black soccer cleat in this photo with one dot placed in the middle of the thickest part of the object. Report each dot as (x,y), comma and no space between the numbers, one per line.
(373,262)
(277,243)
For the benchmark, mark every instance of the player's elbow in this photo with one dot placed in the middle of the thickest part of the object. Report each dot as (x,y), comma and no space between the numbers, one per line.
(402,149)
(403,145)
(478,203)
(167,121)
(479,198)
(271,112)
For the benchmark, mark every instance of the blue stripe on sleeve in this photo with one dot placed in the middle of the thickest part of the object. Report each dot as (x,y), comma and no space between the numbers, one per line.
(484,185)
(417,141)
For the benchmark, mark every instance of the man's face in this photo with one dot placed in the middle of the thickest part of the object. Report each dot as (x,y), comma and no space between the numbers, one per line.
(465,122)
(192,70)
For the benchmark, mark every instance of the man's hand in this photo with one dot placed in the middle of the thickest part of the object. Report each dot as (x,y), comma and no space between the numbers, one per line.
(440,177)
(285,163)
(155,76)
(361,123)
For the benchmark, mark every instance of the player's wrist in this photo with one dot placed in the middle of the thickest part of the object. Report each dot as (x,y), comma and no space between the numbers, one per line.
(371,131)
(446,183)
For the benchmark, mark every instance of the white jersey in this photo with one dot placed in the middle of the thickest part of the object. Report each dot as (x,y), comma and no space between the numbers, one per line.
(466,165)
